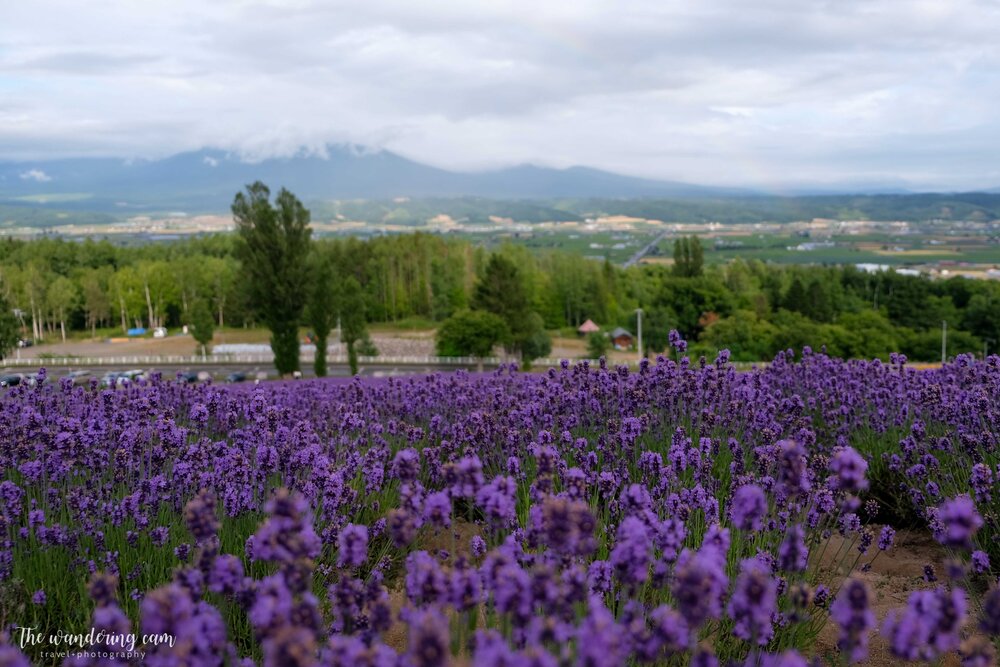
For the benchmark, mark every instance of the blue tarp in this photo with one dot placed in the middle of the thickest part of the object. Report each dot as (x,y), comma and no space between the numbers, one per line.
(139,331)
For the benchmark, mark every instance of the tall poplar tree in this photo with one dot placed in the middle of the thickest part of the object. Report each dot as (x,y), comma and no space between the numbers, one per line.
(321,311)
(274,246)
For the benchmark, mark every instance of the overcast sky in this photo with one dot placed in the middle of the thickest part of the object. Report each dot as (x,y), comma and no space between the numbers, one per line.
(742,92)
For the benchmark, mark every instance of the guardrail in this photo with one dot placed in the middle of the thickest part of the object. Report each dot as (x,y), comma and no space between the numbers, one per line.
(222,359)
(153,361)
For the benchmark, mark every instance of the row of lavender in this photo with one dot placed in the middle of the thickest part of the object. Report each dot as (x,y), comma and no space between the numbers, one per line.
(584,516)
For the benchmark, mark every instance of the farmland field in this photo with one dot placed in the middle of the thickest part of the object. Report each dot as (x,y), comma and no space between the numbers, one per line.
(582,516)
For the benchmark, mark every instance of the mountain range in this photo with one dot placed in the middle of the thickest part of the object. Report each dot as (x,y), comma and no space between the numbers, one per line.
(206,180)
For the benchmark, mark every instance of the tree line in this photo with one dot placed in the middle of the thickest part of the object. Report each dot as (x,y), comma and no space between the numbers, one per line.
(273,273)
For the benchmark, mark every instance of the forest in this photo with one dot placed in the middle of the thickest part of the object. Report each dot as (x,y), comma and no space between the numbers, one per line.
(63,288)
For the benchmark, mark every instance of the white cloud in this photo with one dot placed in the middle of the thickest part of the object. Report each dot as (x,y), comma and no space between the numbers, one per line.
(210,161)
(718,91)
(36,175)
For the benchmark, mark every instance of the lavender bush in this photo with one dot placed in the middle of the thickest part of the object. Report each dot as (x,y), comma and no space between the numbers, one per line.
(584,516)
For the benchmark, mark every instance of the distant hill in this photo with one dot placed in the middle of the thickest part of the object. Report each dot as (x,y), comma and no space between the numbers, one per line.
(381,187)
(206,180)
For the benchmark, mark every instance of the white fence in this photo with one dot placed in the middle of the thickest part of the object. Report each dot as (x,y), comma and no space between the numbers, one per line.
(251,359)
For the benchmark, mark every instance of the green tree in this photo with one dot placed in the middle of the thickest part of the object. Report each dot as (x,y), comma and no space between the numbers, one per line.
(690,300)
(502,291)
(746,336)
(982,318)
(353,325)
(818,302)
(796,298)
(597,344)
(62,298)
(536,343)
(8,328)
(470,333)
(689,257)
(126,288)
(96,304)
(202,324)
(321,311)
(274,246)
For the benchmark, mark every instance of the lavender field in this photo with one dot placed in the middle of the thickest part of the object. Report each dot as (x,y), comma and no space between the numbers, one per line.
(683,513)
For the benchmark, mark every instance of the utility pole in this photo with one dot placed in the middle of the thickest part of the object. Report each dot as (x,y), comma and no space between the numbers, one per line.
(638,314)
(944,341)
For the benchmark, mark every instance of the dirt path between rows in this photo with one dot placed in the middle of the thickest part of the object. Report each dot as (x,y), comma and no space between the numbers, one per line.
(894,574)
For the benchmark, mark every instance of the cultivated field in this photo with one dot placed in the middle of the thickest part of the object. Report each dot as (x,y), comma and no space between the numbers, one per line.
(586,516)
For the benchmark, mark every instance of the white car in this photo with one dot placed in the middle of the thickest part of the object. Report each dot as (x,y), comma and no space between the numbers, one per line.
(160,332)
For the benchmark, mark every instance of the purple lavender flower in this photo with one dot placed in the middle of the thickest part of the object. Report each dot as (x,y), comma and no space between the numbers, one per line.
(426,584)
(39,598)
(749,507)
(849,468)
(226,575)
(103,589)
(754,601)
(886,538)
(465,587)
(929,626)
(437,509)
(492,650)
(981,480)
(478,546)
(791,658)
(600,640)
(853,615)
(352,546)
(669,632)
(631,554)
(959,522)
(429,639)
(289,647)
(793,471)
(599,576)
(989,619)
(406,465)
(402,527)
(11,657)
(699,585)
(980,562)
(272,605)
(498,500)
(793,554)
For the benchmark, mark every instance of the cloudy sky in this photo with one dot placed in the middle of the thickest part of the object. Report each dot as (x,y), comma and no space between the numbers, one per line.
(741,92)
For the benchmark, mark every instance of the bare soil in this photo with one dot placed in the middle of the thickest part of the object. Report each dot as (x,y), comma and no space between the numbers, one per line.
(894,574)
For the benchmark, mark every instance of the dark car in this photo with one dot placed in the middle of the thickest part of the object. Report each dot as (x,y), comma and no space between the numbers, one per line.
(188,377)
(10,380)
(238,376)
(25,342)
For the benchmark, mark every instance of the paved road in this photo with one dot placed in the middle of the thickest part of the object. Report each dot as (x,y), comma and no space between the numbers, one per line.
(634,259)
(220,371)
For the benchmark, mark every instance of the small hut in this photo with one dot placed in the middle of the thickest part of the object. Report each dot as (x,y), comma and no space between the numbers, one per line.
(587,328)
(621,339)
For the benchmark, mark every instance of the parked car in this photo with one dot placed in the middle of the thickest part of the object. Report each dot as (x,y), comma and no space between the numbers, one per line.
(78,376)
(187,377)
(25,342)
(238,376)
(109,380)
(160,332)
(10,380)
(127,377)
